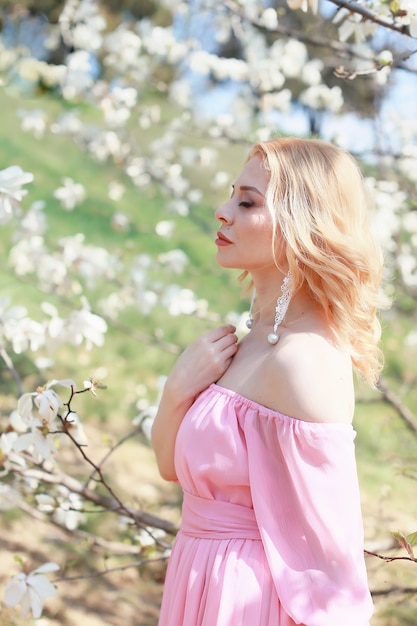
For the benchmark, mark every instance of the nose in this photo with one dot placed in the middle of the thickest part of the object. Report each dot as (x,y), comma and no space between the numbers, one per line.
(224,213)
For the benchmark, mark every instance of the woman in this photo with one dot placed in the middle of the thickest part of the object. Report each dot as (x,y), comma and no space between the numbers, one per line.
(259,432)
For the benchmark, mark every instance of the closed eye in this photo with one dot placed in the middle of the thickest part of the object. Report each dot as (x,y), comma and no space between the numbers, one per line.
(246,205)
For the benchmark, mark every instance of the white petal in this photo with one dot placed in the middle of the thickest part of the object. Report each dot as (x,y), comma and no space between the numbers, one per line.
(25,404)
(15,590)
(36,603)
(46,567)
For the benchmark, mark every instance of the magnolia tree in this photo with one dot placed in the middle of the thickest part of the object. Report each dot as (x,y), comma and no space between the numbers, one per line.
(231,73)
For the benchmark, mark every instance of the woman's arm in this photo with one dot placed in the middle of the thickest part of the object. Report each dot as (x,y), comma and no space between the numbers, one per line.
(201,363)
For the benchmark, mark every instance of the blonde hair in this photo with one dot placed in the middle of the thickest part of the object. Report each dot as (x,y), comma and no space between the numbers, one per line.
(319,204)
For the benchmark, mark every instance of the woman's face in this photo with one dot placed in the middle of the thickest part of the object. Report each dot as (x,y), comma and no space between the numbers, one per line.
(244,239)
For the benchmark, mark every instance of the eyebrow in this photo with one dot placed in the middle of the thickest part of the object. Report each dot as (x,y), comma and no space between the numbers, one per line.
(248,188)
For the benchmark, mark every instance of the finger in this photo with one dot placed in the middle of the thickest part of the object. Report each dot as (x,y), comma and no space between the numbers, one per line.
(221,331)
(229,340)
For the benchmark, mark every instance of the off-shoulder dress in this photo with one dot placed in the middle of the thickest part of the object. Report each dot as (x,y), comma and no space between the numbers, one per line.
(271,531)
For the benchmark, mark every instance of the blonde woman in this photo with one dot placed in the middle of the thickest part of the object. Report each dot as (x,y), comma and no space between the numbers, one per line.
(258,432)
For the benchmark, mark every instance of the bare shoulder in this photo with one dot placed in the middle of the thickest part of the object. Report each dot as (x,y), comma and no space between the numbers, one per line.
(314,377)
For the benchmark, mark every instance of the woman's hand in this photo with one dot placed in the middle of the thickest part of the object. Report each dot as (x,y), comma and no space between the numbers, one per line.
(203,362)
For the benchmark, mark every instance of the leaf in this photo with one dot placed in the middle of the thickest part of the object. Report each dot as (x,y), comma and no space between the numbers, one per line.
(412,538)
(403,541)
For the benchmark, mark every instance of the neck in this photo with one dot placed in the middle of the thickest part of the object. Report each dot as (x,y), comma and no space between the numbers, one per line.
(263,311)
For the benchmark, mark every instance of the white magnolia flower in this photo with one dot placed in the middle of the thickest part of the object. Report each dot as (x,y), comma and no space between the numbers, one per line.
(11,192)
(195,196)
(70,194)
(45,503)
(31,590)
(66,507)
(352,24)
(33,222)
(116,190)
(409,17)
(294,58)
(85,326)
(25,255)
(408,267)
(178,206)
(269,18)
(16,422)
(280,100)
(45,400)
(146,300)
(123,48)
(81,24)
(39,411)
(68,123)
(75,428)
(69,513)
(9,459)
(311,72)
(79,77)
(322,97)
(165,228)
(180,301)
(120,222)
(220,180)
(148,413)
(36,443)
(304,5)
(174,260)
(24,334)
(410,340)
(33,121)
(148,535)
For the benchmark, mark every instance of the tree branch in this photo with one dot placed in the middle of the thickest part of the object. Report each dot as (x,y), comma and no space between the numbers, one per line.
(116,548)
(109,570)
(57,477)
(405,414)
(393,590)
(369,15)
(9,364)
(338,47)
(389,559)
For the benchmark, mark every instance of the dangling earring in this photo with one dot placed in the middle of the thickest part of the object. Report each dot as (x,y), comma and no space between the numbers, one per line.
(249,321)
(281,308)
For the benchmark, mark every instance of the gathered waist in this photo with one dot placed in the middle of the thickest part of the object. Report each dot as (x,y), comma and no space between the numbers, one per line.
(214,519)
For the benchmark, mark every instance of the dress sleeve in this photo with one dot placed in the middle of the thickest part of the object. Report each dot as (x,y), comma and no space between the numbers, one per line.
(306,499)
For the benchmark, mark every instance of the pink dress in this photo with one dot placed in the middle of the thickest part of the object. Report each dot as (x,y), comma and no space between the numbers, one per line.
(271,531)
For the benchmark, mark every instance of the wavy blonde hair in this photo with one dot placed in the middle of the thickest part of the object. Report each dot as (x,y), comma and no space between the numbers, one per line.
(319,205)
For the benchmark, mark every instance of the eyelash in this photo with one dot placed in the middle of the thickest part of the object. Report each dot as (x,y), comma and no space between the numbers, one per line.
(246,205)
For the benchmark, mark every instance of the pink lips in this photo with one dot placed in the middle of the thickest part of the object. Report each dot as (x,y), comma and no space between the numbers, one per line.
(222,240)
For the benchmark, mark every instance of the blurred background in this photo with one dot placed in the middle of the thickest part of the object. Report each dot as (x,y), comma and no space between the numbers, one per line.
(122,127)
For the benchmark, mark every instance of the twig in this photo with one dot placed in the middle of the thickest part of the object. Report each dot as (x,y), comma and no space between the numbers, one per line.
(393,590)
(9,364)
(57,477)
(104,572)
(405,414)
(369,15)
(117,548)
(389,559)
(336,46)
(134,432)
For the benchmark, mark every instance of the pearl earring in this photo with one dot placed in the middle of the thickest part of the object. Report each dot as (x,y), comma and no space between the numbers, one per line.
(281,308)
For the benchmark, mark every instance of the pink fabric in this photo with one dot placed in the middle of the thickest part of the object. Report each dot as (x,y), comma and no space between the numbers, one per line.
(272,530)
